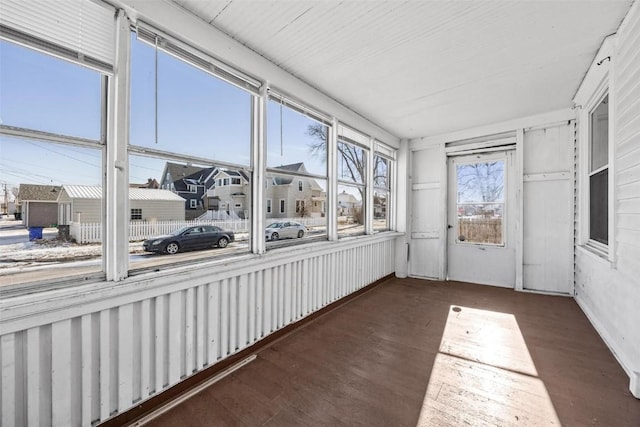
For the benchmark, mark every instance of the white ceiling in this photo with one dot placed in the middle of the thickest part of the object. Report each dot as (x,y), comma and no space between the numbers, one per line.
(423,67)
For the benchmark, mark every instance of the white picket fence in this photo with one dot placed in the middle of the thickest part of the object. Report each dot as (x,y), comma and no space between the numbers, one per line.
(91,232)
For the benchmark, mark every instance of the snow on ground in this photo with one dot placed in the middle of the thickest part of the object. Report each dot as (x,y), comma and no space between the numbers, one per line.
(53,250)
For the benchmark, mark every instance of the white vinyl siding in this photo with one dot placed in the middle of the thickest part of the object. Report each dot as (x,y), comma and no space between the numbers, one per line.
(159,210)
(607,287)
(86,210)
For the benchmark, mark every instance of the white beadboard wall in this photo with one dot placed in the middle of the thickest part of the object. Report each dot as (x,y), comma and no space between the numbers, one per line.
(610,293)
(76,356)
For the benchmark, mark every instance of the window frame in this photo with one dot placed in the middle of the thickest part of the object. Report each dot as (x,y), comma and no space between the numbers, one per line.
(597,84)
(137,213)
(591,172)
(114,140)
(348,135)
(387,154)
(106,79)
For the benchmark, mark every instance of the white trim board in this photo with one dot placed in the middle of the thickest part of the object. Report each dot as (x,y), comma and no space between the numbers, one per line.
(606,337)
(495,128)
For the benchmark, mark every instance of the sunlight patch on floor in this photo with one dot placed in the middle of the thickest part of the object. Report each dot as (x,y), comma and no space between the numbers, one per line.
(483,374)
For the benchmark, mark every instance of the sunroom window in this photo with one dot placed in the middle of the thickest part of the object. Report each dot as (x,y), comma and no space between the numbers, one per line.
(296,171)
(51,163)
(599,173)
(190,130)
(352,155)
(381,192)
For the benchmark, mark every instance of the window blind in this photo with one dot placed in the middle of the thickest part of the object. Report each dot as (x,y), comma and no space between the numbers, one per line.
(80,30)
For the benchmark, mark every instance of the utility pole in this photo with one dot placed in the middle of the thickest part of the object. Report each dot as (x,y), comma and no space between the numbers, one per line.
(6,200)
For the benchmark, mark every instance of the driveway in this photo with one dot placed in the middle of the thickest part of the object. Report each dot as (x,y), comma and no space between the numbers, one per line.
(12,232)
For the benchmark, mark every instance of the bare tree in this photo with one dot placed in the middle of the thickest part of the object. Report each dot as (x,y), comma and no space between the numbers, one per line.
(353,157)
(483,181)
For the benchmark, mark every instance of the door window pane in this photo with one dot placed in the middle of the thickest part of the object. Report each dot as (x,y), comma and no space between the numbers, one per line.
(480,203)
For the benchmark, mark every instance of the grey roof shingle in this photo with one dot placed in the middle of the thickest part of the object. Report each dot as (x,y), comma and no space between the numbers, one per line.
(34,192)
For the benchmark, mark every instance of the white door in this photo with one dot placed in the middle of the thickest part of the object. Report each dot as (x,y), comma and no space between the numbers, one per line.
(481,219)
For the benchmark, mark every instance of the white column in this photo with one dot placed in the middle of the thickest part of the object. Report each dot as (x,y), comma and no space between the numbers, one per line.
(115,188)
(259,164)
(368,203)
(519,164)
(401,191)
(332,182)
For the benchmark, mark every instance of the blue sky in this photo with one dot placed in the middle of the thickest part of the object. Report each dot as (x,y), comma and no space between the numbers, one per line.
(198,115)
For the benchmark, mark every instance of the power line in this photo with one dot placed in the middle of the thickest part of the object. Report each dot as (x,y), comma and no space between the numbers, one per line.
(61,154)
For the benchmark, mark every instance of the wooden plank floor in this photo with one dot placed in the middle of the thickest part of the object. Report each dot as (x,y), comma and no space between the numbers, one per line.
(421,353)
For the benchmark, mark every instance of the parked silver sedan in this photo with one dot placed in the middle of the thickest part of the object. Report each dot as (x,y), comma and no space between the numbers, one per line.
(284,230)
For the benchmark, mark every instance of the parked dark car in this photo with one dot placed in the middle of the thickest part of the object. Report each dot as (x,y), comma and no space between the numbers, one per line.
(190,238)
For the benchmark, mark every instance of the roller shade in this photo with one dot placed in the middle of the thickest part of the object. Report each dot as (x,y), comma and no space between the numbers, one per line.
(352,136)
(196,58)
(383,150)
(80,30)
(299,108)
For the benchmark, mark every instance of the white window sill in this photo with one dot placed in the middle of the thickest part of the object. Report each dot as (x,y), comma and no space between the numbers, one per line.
(597,251)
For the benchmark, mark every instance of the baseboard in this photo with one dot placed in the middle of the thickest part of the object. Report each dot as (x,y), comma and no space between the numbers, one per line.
(634,385)
(629,369)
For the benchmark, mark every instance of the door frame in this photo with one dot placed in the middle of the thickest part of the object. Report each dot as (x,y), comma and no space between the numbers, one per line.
(487,144)
(475,262)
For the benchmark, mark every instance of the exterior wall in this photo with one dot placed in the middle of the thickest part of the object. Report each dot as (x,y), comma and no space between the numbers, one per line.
(224,193)
(79,355)
(40,214)
(290,193)
(159,210)
(608,290)
(86,210)
(275,193)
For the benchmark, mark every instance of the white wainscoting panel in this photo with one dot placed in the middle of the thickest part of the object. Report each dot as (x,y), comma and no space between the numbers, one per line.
(80,355)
